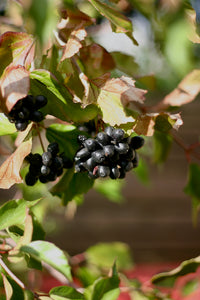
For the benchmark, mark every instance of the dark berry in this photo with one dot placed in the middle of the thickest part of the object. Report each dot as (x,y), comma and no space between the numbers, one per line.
(93,176)
(79,167)
(129,155)
(90,164)
(51,176)
(59,172)
(118,134)
(57,163)
(47,158)
(81,138)
(135,161)
(29,102)
(98,156)
(17,105)
(109,150)
(45,170)
(43,179)
(114,158)
(127,165)
(30,179)
(21,125)
(82,154)
(36,116)
(40,101)
(24,113)
(36,160)
(122,173)
(103,171)
(83,128)
(136,142)
(114,172)
(53,148)
(103,138)
(109,130)
(122,148)
(91,144)
(34,170)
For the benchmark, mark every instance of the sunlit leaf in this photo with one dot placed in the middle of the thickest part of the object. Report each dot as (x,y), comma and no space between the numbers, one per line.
(47,252)
(6,127)
(65,292)
(10,169)
(16,48)
(186,267)
(112,189)
(13,212)
(7,287)
(119,22)
(13,290)
(14,85)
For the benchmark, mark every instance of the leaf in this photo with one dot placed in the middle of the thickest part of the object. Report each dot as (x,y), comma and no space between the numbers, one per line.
(189,287)
(50,254)
(186,267)
(96,60)
(74,42)
(142,172)
(65,292)
(116,93)
(103,287)
(66,137)
(71,185)
(112,189)
(9,170)
(7,287)
(162,146)
(163,122)
(13,212)
(14,85)
(119,23)
(13,290)
(185,93)
(103,255)
(60,102)
(193,189)
(125,63)
(6,127)
(16,48)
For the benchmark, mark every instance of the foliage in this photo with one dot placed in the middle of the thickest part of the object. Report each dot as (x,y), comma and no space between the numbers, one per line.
(51,48)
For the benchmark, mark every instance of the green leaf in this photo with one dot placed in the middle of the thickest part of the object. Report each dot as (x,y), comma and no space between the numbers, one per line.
(103,255)
(60,102)
(106,287)
(49,253)
(6,127)
(65,292)
(13,290)
(186,267)
(125,63)
(142,172)
(112,189)
(162,146)
(189,287)
(13,212)
(65,136)
(119,23)
(193,189)
(71,185)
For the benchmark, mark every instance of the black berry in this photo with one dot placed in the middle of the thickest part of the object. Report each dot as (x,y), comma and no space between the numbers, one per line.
(36,116)
(53,148)
(47,158)
(30,179)
(21,125)
(40,101)
(136,142)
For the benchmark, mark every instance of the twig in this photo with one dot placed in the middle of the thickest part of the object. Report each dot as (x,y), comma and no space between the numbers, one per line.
(40,138)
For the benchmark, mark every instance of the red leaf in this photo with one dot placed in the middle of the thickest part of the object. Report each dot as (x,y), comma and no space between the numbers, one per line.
(16,48)
(14,85)
(9,170)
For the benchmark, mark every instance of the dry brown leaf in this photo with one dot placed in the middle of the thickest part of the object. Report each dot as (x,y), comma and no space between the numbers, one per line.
(185,93)
(14,85)
(10,169)
(145,125)
(74,43)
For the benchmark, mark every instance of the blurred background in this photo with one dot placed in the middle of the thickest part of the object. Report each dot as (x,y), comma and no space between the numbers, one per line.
(149,211)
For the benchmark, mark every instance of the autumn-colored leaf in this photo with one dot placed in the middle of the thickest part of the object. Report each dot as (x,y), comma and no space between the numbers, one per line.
(185,93)
(10,169)
(146,124)
(14,85)
(96,60)
(16,48)
(74,42)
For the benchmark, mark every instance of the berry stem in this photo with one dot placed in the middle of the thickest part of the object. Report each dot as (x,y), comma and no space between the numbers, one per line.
(40,138)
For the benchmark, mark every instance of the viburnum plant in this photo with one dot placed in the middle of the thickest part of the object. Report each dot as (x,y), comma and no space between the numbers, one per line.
(74,116)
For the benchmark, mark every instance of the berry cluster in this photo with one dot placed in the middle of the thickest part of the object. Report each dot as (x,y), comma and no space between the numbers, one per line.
(48,166)
(110,153)
(27,109)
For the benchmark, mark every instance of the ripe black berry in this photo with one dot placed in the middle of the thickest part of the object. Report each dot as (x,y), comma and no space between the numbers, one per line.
(136,142)
(47,158)
(84,153)
(98,156)
(81,138)
(109,130)
(135,161)
(122,148)
(30,179)
(109,150)
(36,116)
(57,163)
(53,148)
(21,125)
(114,172)
(90,164)
(45,170)
(103,171)
(103,138)
(40,101)
(91,144)
(24,113)
(118,134)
